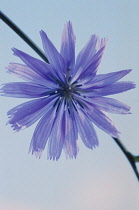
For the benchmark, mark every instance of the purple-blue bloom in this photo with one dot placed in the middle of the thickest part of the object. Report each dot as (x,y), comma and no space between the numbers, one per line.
(68,96)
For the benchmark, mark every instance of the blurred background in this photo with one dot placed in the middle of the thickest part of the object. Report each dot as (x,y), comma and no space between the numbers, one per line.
(99,179)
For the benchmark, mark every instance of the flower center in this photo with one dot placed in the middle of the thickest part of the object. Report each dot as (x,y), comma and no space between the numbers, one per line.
(66,91)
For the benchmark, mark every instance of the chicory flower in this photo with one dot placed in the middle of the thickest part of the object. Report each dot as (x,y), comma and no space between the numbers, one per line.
(68,96)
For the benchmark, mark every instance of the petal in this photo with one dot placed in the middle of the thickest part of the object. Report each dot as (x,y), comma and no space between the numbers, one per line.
(103,80)
(93,65)
(40,67)
(104,104)
(23,90)
(24,115)
(86,130)
(87,53)
(69,126)
(51,127)
(42,132)
(88,65)
(68,46)
(115,88)
(27,74)
(57,137)
(53,56)
(102,121)
(109,105)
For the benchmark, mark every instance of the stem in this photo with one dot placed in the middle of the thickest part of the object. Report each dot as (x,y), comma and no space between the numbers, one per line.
(129,156)
(17,30)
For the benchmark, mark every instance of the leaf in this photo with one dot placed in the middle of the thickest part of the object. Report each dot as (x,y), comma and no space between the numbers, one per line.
(136,158)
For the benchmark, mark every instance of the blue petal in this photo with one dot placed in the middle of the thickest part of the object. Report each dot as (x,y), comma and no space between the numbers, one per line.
(57,137)
(111,105)
(89,58)
(27,74)
(64,134)
(115,88)
(92,66)
(87,53)
(104,80)
(51,129)
(104,104)
(68,46)
(24,115)
(86,130)
(53,56)
(70,130)
(42,132)
(102,121)
(23,90)
(40,67)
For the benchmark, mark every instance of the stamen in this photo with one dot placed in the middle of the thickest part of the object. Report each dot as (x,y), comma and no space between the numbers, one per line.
(79,85)
(56,102)
(74,106)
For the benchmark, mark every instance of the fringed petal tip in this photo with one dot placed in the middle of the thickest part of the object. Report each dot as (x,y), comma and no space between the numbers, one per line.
(16,126)
(101,42)
(116,132)
(2,90)
(70,157)
(15,51)
(54,158)
(38,154)
(116,135)
(69,23)
(133,85)
(128,70)
(68,26)
(42,33)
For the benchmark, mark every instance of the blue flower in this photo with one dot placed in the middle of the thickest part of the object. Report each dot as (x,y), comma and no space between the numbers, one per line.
(68,96)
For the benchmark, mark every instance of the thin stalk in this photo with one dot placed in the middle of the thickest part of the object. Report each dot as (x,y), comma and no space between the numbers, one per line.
(17,30)
(129,156)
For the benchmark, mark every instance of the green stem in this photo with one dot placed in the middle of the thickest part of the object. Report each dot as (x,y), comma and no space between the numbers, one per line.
(17,30)
(129,156)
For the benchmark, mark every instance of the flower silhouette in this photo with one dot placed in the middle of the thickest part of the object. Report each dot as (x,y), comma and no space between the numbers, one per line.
(68,96)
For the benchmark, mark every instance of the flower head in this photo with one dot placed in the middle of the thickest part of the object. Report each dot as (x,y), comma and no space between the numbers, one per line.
(68,96)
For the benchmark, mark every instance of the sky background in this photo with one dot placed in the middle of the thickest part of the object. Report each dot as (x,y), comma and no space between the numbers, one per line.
(99,179)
